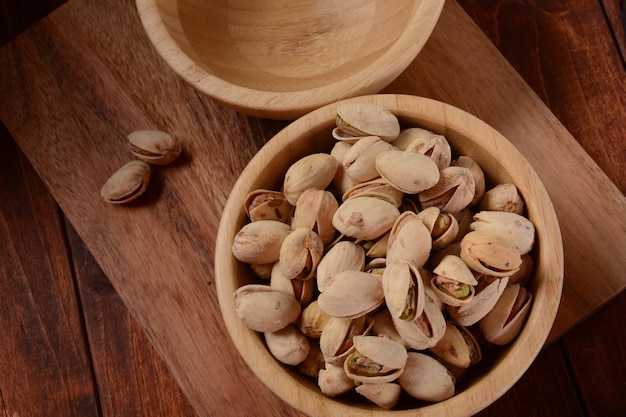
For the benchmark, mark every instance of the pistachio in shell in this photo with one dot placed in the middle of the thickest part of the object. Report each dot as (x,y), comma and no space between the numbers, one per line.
(458,347)
(314,210)
(336,340)
(265,309)
(505,320)
(409,240)
(154,146)
(300,253)
(383,394)
(425,142)
(351,294)
(409,172)
(333,380)
(127,183)
(288,345)
(301,289)
(488,292)
(367,119)
(443,227)
(312,171)
(343,256)
(511,229)
(313,320)
(478,174)
(360,160)
(260,242)
(267,205)
(503,197)
(375,359)
(404,290)
(426,379)
(365,218)
(484,253)
(378,188)
(426,330)
(454,191)
(453,282)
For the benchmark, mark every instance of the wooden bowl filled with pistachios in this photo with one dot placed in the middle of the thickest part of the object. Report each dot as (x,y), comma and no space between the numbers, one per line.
(388,254)
(282,59)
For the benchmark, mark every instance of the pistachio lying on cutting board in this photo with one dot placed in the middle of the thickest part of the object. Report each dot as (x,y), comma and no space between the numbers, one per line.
(127,183)
(154,146)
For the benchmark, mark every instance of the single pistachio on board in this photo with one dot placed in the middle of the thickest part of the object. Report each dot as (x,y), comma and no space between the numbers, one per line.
(127,183)
(154,146)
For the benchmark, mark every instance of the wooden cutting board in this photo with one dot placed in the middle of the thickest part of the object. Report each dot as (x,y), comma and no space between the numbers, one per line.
(76,84)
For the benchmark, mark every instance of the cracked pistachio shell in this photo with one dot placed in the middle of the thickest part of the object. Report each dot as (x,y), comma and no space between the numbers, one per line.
(288,345)
(452,275)
(453,192)
(313,320)
(265,309)
(478,174)
(404,290)
(300,253)
(259,242)
(443,227)
(343,256)
(333,380)
(425,378)
(376,248)
(314,210)
(503,197)
(378,188)
(511,229)
(425,142)
(154,146)
(525,273)
(505,320)
(426,330)
(127,183)
(351,294)
(366,119)
(409,172)
(385,395)
(464,218)
(482,302)
(312,171)
(336,338)
(486,254)
(365,218)
(375,359)
(360,160)
(409,240)
(458,347)
(267,205)
(301,289)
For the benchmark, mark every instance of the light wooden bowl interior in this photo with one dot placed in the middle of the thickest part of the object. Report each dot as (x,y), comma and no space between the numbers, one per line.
(501,163)
(282,58)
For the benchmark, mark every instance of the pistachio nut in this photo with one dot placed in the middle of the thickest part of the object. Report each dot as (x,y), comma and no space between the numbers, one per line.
(333,380)
(458,347)
(404,290)
(301,289)
(454,191)
(341,181)
(478,174)
(482,302)
(409,240)
(385,394)
(314,210)
(503,197)
(313,320)
(366,119)
(259,242)
(375,359)
(336,338)
(288,345)
(425,142)
(426,330)
(511,229)
(453,282)
(365,218)
(263,271)
(127,183)
(343,256)
(312,171)
(300,253)
(378,188)
(351,294)
(376,248)
(154,146)
(409,172)
(360,160)
(265,309)
(484,253)
(267,205)
(505,320)
(443,227)
(425,378)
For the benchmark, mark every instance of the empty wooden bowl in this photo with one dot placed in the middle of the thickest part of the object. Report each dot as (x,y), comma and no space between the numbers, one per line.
(501,162)
(280,58)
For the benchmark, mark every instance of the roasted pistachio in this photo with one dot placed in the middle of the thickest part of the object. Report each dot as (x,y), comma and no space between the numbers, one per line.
(127,183)
(154,146)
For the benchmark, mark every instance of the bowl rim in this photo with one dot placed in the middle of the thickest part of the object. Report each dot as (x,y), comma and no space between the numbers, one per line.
(293,104)
(487,388)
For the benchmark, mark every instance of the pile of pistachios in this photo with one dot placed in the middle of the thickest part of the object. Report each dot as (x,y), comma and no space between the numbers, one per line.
(387,265)
(150,147)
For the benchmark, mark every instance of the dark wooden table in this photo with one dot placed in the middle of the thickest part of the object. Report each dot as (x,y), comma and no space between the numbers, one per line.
(70,347)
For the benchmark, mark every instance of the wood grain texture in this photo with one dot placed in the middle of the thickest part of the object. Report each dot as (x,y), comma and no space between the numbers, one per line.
(87,75)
